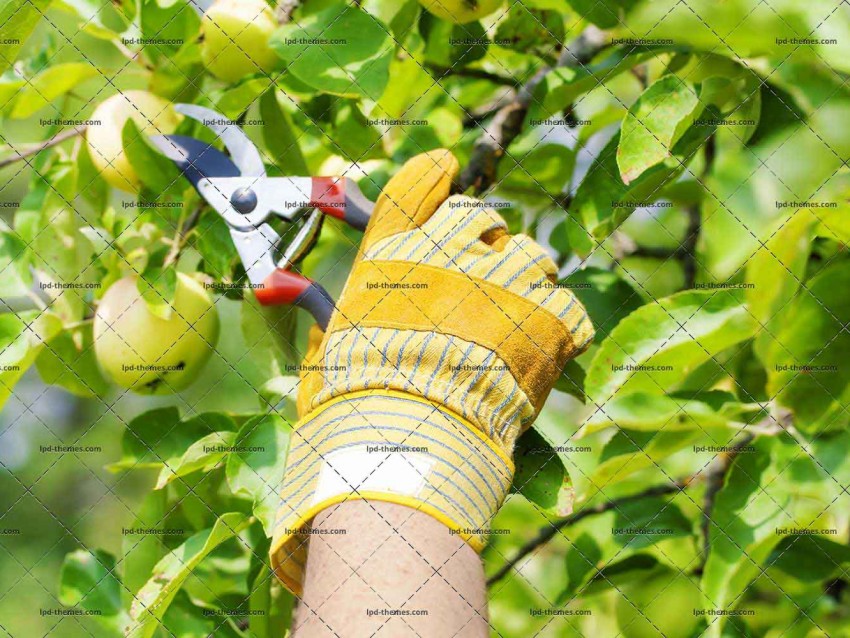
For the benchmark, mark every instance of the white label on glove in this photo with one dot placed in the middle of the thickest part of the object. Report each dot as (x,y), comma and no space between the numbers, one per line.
(355,468)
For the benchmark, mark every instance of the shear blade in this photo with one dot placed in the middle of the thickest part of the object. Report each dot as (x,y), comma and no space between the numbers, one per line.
(242,150)
(198,160)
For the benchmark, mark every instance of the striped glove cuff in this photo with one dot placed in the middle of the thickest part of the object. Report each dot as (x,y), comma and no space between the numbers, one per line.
(388,446)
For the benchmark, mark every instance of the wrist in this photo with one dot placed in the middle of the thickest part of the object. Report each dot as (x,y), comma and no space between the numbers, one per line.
(370,558)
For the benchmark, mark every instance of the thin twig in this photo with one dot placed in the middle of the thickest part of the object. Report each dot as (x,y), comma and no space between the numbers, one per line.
(133,56)
(477,74)
(656,253)
(548,533)
(689,246)
(640,74)
(182,236)
(476,118)
(692,234)
(507,123)
(715,478)
(33,150)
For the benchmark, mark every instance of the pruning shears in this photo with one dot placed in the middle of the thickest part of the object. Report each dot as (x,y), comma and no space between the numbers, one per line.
(238,188)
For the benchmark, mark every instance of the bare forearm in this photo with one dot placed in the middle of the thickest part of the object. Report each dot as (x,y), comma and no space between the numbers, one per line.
(394,569)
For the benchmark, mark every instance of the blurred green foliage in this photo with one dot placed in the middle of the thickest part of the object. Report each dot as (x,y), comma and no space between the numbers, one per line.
(690,178)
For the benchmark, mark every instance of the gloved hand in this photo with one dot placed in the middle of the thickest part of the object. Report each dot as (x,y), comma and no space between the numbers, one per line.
(445,343)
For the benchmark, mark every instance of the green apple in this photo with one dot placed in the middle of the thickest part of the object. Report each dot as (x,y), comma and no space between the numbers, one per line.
(236,38)
(152,114)
(146,353)
(661,606)
(461,11)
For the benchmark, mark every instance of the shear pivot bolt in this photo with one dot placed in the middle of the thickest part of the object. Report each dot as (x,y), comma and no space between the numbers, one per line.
(244,200)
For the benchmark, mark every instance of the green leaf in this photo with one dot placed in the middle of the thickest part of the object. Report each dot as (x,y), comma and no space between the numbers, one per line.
(279,135)
(14,264)
(89,581)
(158,436)
(353,137)
(274,603)
(179,79)
(171,572)
(68,360)
(18,19)
(540,473)
(95,193)
(185,619)
(280,389)
(141,552)
(653,125)
(647,412)
(604,13)
(154,170)
(9,88)
(168,20)
(811,331)
(530,31)
(240,98)
(49,84)
(571,380)
(444,129)
(655,348)
(759,496)
(778,269)
(255,469)
(619,575)
(359,67)
(51,226)
(400,15)
(810,559)
(544,167)
(628,452)
(603,200)
(269,334)
(561,86)
(449,45)
(601,541)
(158,286)
(606,297)
(154,436)
(754,187)
(746,114)
(215,244)
(736,28)
(22,338)
(833,223)
(99,20)
(204,454)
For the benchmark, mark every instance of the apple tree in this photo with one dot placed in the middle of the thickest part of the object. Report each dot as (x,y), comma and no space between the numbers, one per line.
(686,164)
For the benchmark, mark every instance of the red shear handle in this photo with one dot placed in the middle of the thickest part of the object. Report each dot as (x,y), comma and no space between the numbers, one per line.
(340,197)
(284,287)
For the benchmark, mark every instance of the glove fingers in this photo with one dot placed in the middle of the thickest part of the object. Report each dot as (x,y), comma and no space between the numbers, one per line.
(458,231)
(532,274)
(412,196)
(466,236)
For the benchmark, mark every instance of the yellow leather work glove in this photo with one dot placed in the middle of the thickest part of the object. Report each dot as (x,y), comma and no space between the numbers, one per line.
(445,343)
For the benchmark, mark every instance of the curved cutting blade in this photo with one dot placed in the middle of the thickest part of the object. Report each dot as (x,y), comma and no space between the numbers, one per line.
(242,150)
(198,160)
